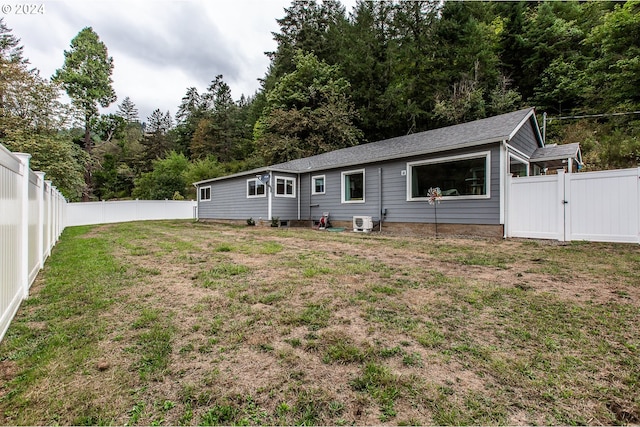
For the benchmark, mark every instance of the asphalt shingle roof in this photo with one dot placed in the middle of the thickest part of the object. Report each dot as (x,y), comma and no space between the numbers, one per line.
(470,134)
(554,152)
(479,132)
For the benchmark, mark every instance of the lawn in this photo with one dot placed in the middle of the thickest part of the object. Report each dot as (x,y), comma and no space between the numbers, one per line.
(182,323)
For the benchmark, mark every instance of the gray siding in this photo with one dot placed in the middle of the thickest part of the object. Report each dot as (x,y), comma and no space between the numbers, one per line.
(525,140)
(229,201)
(286,208)
(394,196)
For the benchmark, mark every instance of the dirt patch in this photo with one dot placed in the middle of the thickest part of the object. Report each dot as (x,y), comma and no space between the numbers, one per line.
(8,370)
(276,326)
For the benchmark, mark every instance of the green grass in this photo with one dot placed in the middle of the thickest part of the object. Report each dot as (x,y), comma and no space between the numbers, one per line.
(182,323)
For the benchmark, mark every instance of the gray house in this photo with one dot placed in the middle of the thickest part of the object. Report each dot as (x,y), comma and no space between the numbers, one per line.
(388,180)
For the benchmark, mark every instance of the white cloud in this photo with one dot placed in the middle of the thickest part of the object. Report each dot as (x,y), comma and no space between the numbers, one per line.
(160,47)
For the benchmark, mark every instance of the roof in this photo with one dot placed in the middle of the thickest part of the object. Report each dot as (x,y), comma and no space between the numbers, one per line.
(470,134)
(556,152)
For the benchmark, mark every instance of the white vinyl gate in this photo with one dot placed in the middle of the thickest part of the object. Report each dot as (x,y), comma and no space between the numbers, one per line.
(595,206)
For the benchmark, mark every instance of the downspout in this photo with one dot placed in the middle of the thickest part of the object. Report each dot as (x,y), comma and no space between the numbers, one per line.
(196,214)
(380,216)
(269,195)
(299,192)
(504,191)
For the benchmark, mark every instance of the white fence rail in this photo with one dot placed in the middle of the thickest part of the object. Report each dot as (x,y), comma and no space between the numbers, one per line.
(129,210)
(33,215)
(31,220)
(596,206)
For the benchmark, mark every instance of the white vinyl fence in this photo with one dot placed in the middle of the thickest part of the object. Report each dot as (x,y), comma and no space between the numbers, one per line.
(32,215)
(595,206)
(129,210)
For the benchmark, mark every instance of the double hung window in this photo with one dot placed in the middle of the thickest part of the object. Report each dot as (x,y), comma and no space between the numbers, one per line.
(255,188)
(205,194)
(285,187)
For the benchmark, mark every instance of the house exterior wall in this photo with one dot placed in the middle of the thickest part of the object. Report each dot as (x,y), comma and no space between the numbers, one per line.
(285,208)
(385,189)
(394,195)
(229,201)
(525,140)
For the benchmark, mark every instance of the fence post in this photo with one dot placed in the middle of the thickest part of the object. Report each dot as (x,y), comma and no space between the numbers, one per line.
(638,205)
(507,205)
(561,217)
(51,217)
(41,218)
(23,256)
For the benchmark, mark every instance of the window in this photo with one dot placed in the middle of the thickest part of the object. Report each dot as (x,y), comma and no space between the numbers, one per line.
(517,166)
(457,176)
(205,194)
(353,186)
(285,187)
(255,188)
(317,184)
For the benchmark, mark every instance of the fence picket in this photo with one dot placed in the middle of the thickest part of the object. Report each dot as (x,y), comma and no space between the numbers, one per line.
(596,206)
(33,214)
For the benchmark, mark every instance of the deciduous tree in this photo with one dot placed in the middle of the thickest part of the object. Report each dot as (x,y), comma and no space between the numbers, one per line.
(308,112)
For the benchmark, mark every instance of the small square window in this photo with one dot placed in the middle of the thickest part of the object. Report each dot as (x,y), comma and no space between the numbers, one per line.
(317,185)
(205,194)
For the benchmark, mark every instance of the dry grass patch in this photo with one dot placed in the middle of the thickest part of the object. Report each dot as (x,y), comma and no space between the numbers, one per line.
(181,323)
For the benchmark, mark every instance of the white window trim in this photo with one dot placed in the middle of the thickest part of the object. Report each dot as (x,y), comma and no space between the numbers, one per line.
(364,185)
(313,184)
(285,178)
(478,155)
(258,182)
(519,160)
(200,194)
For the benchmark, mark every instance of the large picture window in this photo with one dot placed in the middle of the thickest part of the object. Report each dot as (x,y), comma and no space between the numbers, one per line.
(457,176)
(353,186)
(255,188)
(285,187)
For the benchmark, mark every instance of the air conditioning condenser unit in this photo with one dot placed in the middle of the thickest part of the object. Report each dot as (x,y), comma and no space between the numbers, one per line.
(362,224)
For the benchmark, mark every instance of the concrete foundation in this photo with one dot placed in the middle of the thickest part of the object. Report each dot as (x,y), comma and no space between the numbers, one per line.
(407,228)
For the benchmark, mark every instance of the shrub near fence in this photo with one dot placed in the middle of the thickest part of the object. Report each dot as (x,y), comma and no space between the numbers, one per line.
(32,213)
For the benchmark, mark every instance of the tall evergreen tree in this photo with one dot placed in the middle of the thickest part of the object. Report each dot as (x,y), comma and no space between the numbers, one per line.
(158,141)
(86,76)
(128,111)
(366,57)
(310,27)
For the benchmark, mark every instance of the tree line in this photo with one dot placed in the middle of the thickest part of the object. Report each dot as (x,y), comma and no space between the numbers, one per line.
(336,79)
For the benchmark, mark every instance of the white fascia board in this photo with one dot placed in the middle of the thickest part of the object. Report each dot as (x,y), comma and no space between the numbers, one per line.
(522,122)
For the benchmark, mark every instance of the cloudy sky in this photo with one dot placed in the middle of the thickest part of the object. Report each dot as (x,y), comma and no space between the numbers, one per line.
(159,47)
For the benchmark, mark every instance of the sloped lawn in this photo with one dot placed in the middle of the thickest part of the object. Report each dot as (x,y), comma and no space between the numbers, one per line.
(181,323)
